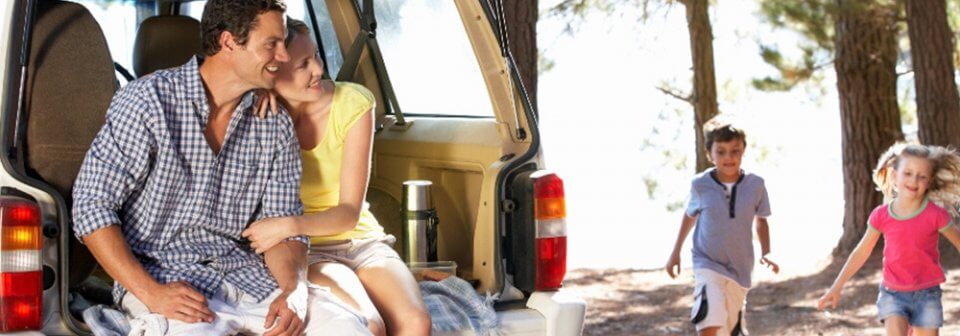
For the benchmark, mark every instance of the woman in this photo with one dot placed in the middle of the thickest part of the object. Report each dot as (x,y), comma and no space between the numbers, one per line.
(349,251)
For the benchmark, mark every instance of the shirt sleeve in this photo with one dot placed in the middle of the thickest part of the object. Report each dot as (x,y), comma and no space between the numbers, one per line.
(356,100)
(763,205)
(874,222)
(281,197)
(694,205)
(943,220)
(116,163)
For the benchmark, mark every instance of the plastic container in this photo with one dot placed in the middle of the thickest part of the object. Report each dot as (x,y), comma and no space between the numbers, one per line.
(433,270)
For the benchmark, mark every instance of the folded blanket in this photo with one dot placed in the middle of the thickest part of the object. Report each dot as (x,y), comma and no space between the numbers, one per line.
(455,306)
(106,321)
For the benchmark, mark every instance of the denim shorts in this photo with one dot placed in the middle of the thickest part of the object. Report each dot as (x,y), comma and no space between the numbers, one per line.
(922,308)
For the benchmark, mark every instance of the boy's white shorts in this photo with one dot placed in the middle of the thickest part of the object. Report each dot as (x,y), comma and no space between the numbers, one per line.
(718,302)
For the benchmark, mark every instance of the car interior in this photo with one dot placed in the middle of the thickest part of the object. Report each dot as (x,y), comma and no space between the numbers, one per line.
(71,77)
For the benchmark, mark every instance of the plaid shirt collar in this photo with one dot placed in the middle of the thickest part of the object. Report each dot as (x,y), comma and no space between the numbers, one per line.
(196,93)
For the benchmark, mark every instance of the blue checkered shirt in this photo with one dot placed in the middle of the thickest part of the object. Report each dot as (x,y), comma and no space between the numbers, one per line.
(180,206)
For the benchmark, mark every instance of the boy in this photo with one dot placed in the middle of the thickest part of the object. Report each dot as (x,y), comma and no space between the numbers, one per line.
(724,201)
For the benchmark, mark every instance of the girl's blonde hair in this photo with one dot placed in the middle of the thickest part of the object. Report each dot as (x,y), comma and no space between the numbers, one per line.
(944,188)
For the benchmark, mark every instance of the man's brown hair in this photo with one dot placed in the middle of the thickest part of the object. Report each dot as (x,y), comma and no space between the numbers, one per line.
(238,17)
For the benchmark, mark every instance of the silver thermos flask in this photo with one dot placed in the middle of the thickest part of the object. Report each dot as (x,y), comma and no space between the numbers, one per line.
(420,222)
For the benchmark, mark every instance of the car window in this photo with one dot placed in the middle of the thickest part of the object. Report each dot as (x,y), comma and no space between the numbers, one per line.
(328,37)
(119,21)
(295,9)
(429,58)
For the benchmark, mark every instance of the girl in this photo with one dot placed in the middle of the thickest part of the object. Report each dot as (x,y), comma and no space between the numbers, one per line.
(334,124)
(912,176)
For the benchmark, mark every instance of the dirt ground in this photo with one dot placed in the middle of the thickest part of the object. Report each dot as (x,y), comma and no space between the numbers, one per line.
(648,302)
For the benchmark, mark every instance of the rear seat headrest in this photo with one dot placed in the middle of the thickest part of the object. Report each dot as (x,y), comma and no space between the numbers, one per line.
(164,42)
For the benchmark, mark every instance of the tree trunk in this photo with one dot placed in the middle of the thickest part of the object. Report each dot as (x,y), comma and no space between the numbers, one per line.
(704,97)
(931,48)
(521,21)
(866,56)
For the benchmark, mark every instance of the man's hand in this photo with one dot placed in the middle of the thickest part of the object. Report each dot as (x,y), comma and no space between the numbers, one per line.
(765,261)
(282,318)
(178,301)
(673,265)
(287,312)
(268,232)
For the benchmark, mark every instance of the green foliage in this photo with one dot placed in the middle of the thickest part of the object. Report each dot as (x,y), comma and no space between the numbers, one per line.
(576,11)
(665,144)
(772,84)
(675,205)
(581,7)
(953,14)
(908,107)
(544,63)
(651,185)
(814,21)
(790,73)
(953,17)
(811,18)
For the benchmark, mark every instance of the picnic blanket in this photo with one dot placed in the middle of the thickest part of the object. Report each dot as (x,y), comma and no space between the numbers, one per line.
(452,302)
(455,306)
(106,321)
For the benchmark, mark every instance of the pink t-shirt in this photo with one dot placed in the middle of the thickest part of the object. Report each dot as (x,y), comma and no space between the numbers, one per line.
(911,259)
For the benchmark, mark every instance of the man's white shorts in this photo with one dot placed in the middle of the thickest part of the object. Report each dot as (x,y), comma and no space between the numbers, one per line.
(718,301)
(239,313)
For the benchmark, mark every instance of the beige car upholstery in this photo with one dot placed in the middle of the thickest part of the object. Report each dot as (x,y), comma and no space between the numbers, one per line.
(460,155)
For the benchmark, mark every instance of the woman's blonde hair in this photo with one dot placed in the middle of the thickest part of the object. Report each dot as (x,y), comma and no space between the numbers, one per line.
(294,28)
(944,188)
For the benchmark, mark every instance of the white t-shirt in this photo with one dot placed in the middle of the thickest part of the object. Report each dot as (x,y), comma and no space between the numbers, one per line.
(729,188)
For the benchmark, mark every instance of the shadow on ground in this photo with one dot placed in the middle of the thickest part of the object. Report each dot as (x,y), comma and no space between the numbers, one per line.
(648,302)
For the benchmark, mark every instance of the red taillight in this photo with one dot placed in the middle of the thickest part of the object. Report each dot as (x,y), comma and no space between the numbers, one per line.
(21,289)
(20,301)
(550,212)
(551,262)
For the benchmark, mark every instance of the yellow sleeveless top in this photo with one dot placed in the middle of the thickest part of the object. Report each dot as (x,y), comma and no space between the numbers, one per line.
(320,184)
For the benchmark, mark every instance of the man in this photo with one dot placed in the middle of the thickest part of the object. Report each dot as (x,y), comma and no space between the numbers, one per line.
(180,168)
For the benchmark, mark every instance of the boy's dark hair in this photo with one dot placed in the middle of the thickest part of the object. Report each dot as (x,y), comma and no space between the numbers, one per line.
(716,130)
(235,16)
